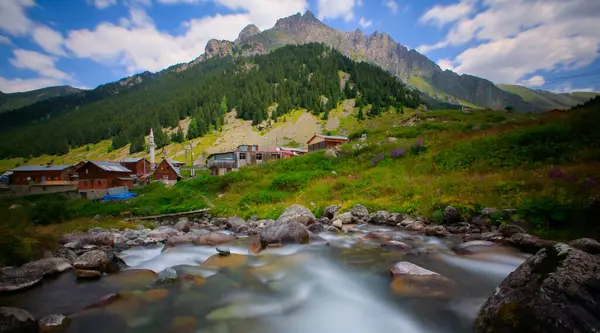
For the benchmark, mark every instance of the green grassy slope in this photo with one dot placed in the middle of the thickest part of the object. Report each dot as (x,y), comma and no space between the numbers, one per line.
(546,99)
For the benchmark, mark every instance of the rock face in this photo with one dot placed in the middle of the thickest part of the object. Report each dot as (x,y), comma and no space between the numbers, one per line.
(297,214)
(249,31)
(412,280)
(13,320)
(556,290)
(284,233)
(586,244)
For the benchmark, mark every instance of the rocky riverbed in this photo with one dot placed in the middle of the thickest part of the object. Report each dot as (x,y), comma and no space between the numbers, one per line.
(357,271)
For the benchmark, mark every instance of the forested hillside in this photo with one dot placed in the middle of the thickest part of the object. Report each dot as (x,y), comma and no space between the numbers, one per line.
(14,101)
(306,76)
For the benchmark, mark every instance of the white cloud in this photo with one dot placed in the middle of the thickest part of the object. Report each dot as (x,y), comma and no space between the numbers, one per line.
(442,15)
(517,38)
(140,46)
(568,88)
(534,81)
(103,4)
(446,64)
(365,23)
(50,40)
(333,9)
(392,5)
(18,84)
(5,40)
(13,19)
(39,63)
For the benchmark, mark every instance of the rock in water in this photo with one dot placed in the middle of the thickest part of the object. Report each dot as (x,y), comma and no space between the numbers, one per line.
(507,230)
(87,274)
(234,222)
(475,246)
(586,244)
(167,276)
(331,211)
(528,243)
(223,251)
(13,320)
(53,323)
(183,225)
(213,238)
(556,290)
(298,214)
(360,214)
(412,280)
(284,233)
(103,261)
(436,230)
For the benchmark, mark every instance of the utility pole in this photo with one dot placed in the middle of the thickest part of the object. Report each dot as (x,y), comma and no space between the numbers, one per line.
(192,171)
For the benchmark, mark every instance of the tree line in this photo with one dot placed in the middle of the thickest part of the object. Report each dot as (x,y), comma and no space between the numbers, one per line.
(292,77)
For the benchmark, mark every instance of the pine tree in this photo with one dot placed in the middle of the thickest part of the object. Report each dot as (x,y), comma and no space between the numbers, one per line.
(137,145)
(223,106)
(193,130)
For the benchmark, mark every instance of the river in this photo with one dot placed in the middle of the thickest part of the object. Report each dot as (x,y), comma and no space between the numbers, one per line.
(338,284)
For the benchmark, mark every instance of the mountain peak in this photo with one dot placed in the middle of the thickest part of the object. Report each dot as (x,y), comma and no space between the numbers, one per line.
(309,16)
(249,31)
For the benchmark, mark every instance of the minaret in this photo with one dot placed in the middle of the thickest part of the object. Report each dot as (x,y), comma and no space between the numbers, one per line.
(152,145)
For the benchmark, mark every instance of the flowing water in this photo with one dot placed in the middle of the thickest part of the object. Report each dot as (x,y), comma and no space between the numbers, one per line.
(340,284)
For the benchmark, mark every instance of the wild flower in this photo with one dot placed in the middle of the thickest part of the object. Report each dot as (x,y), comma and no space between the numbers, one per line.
(377,158)
(418,143)
(397,153)
(556,173)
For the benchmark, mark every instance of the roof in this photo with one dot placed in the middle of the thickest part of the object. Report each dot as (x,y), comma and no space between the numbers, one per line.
(294,149)
(132,159)
(332,137)
(110,166)
(176,169)
(42,168)
(176,162)
(125,178)
(219,153)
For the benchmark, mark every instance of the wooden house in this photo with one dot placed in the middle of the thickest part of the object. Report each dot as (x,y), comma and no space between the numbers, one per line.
(318,142)
(43,179)
(293,151)
(222,163)
(138,166)
(100,176)
(167,173)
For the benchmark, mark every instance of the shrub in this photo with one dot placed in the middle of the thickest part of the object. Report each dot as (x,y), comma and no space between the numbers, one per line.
(291,181)
(261,197)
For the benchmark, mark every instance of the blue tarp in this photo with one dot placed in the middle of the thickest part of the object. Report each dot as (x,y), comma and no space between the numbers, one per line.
(119,196)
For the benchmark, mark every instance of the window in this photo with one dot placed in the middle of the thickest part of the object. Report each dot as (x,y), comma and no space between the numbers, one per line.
(242,156)
(87,171)
(274,156)
(99,182)
(259,157)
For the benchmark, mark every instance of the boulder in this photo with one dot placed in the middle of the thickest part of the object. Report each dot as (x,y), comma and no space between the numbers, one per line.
(475,246)
(100,238)
(436,230)
(316,228)
(297,214)
(167,229)
(73,245)
(235,222)
(586,244)
(62,252)
(337,224)
(406,221)
(394,244)
(395,218)
(412,280)
(48,266)
(103,261)
(75,236)
(331,211)
(158,236)
(528,243)
(471,237)
(331,153)
(130,234)
(555,290)
(360,214)
(284,233)
(213,238)
(451,215)
(179,240)
(345,218)
(416,226)
(481,221)
(97,229)
(219,221)
(381,217)
(378,236)
(324,220)
(183,225)
(487,211)
(53,323)
(13,320)
(167,276)
(16,278)
(391,139)
(507,230)
(492,236)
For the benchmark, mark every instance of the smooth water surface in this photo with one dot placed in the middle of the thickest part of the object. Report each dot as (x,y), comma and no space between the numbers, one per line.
(341,284)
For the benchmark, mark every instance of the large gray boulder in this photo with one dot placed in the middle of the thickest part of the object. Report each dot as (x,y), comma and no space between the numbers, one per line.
(284,233)
(331,211)
(235,222)
(297,214)
(416,226)
(586,244)
(555,290)
(344,218)
(507,230)
(529,243)
(13,320)
(412,280)
(99,238)
(360,214)
(98,260)
(17,278)
(436,230)
(380,217)
(395,218)
(183,225)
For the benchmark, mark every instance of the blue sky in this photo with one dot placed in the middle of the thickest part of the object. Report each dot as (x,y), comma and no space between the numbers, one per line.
(544,44)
